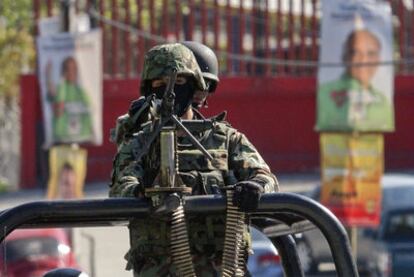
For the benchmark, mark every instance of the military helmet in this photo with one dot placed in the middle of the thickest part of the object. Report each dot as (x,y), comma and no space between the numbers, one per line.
(162,59)
(207,61)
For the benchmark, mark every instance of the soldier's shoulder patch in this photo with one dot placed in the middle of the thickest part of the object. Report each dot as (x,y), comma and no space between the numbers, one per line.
(223,130)
(223,126)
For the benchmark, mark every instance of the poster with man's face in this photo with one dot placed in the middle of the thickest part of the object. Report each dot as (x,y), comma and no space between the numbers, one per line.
(355,78)
(70,77)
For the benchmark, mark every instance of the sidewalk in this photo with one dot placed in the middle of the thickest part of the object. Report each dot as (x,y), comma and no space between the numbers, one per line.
(14,198)
(298,182)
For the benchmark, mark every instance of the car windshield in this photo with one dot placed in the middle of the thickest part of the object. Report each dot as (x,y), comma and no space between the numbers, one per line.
(400,226)
(29,247)
(257,235)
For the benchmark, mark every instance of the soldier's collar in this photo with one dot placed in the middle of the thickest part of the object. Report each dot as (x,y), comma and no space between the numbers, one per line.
(219,117)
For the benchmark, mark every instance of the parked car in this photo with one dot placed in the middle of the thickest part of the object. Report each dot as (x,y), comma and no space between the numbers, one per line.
(397,194)
(33,252)
(394,252)
(265,260)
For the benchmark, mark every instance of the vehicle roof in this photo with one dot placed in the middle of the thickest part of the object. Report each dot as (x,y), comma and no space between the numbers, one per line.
(397,180)
(57,233)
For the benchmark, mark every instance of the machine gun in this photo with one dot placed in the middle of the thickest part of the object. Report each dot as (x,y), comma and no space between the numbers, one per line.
(169,189)
(166,126)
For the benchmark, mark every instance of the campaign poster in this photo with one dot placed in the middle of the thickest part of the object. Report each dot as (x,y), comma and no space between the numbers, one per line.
(355,75)
(67,171)
(352,167)
(70,77)
(52,25)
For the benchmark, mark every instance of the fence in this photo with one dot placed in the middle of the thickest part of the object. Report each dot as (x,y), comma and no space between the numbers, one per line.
(282,128)
(285,47)
(251,37)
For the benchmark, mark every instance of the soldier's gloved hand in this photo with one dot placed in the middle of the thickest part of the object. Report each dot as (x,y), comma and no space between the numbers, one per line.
(247,195)
(131,187)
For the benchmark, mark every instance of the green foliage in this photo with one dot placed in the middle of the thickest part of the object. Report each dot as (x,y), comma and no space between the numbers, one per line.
(16,43)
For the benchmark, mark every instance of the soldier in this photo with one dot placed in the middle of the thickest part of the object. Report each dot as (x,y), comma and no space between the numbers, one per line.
(130,122)
(236,162)
(207,61)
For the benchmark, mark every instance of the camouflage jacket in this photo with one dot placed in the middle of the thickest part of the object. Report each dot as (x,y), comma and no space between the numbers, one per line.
(235,159)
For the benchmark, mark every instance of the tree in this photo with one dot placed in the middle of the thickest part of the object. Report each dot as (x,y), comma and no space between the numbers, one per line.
(16,54)
(16,43)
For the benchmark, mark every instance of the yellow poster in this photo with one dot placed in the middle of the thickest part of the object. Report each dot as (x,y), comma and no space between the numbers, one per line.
(352,166)
(67,171)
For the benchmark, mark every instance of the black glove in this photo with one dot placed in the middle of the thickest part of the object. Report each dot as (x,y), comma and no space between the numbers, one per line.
(247,195)
(136,105)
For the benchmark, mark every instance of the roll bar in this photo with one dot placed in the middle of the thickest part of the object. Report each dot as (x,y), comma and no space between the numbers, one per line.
(293,210)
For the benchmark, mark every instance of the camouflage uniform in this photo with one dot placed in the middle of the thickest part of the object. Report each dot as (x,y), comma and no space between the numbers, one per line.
(127,125)
(235,159)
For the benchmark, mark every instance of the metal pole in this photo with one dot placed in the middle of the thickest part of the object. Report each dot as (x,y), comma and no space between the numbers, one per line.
(67,14)
(354,241)
(93,19)
(92,245)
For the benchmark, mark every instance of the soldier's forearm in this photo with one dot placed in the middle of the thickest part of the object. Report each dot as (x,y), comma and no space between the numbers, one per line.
(267,181)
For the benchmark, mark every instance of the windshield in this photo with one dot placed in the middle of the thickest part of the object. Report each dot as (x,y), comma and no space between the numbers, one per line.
(395,197)
(20,249)
(400,226)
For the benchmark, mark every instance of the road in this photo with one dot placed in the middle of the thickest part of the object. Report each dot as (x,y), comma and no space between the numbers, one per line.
(107,245)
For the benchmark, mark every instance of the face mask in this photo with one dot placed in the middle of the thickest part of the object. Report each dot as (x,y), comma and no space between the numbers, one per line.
(159,91)
(183,96)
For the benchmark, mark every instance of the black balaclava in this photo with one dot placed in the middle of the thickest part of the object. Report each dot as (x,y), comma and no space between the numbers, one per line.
(183,96)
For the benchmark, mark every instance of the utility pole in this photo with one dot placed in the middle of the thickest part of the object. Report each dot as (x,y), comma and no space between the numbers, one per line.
(93,20)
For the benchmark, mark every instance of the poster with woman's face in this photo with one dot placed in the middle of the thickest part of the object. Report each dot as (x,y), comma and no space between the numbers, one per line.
(70,77)
(355,77)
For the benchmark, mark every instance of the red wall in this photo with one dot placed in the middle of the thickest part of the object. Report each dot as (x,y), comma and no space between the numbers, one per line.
(277,115)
